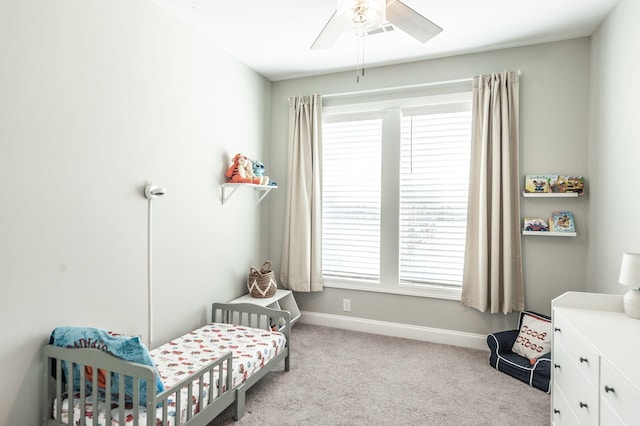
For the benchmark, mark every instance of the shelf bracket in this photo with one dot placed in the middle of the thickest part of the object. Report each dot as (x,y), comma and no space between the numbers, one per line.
(228,191)
(262,192)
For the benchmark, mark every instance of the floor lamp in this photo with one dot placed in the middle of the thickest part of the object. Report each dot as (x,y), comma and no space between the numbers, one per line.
(152,192)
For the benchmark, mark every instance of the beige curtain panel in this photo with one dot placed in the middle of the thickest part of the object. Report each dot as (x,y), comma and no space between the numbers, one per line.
(301,267)
(493,257)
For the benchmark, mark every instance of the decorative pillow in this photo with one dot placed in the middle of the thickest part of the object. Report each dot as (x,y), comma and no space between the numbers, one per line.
(534,338)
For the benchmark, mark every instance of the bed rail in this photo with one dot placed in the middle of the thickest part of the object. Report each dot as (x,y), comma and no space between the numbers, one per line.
(56,388)
(250,315)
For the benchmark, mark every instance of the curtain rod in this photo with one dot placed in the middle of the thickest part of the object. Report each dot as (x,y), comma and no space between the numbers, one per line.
(397,88)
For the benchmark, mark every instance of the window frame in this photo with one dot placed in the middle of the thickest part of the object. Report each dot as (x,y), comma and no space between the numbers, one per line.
(392,109)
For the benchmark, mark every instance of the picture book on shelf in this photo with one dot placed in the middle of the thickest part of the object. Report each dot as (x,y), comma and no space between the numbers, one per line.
(566,183)
(542,184)
(535,224)
(536,183)
(563,222)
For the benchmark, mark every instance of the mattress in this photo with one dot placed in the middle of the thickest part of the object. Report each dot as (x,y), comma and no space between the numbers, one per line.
(252,348)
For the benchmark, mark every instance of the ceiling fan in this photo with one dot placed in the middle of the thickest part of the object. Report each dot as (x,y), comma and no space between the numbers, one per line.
(363,16)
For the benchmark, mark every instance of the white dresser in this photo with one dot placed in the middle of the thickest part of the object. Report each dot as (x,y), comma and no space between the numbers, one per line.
(595,361)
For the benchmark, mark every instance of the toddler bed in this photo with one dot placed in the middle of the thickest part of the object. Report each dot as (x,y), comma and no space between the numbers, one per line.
(187,381)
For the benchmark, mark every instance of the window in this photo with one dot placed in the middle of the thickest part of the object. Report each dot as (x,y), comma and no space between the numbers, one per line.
(352,159)
(395,185)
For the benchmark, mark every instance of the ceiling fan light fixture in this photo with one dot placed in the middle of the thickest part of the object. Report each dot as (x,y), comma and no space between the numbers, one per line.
(362,16)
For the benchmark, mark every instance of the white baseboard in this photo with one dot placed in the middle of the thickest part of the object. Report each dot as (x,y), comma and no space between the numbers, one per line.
(407,331)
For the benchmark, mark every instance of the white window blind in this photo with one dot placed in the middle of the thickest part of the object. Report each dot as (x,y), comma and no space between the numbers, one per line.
(351,197)
(434,184)
(395,189)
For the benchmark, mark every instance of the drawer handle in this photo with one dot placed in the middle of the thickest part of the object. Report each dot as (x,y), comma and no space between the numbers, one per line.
(583,405)
(607,389)
(582,359)
(556,366)
(559,330)
(556,411)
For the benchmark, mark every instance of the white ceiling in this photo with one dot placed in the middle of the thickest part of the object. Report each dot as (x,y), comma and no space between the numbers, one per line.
(274,37)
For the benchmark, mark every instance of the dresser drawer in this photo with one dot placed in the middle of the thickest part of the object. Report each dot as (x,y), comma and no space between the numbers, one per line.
(581,395)
(619,394)
(582,353)
(561,413)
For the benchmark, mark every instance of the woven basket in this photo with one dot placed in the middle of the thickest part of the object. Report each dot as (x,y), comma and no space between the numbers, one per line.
(262,283)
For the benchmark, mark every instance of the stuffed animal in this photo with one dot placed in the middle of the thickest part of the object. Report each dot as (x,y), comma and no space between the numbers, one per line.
(258,170)
(241,171)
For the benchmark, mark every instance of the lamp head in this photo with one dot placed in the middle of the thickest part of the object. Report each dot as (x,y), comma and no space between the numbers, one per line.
(630,270)
(152,191)
(630,276)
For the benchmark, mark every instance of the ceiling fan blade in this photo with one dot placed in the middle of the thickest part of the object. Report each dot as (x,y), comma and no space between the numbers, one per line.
(329,33)
(411,22)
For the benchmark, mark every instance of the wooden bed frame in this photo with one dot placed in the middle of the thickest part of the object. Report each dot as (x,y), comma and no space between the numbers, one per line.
(244,314)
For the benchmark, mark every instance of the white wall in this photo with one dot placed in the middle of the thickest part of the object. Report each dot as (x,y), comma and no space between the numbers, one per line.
(614,146)
(554,116)
(96,98)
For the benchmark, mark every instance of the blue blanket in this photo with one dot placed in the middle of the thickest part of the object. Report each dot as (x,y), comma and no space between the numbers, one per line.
(126,347)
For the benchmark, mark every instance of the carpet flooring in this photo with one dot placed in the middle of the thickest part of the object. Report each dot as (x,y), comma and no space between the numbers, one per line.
(341,377)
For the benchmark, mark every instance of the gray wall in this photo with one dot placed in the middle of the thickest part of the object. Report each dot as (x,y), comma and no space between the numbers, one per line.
(554,116)
(96,98)
(614,146)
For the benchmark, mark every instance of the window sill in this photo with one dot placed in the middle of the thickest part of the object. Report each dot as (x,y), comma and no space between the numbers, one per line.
(431,291)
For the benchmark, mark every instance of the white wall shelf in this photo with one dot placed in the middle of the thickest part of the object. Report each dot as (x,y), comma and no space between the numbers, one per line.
(228,189)
(550,234)
(526,194)
(549,194)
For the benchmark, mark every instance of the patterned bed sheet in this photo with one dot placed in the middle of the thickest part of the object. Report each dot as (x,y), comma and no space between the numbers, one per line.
(252,348)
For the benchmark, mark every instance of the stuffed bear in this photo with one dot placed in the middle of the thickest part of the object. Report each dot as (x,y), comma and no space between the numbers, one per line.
(258,170)
(241,171)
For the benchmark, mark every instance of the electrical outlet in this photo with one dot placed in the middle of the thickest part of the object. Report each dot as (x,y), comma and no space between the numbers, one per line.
(346,305)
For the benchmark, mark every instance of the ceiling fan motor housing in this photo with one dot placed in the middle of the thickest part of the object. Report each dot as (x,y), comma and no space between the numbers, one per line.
(369,16)
(362,16)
